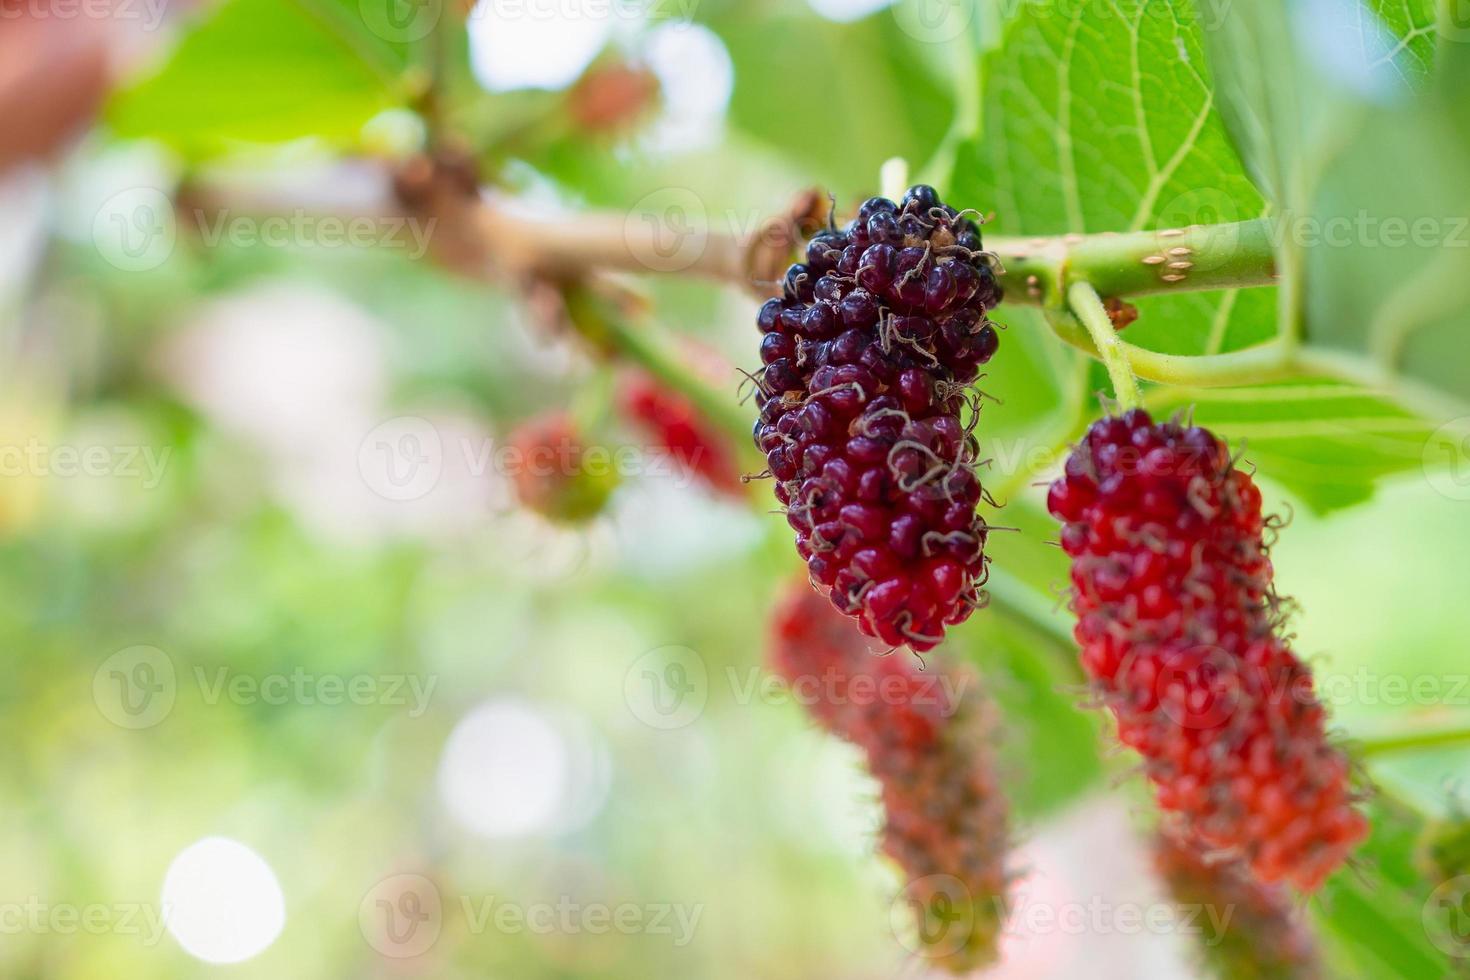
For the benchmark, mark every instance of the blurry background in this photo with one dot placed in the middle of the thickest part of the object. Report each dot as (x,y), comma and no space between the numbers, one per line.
(259,674)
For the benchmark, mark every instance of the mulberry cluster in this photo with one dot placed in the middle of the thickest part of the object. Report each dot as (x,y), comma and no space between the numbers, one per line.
(1180,630)
(1253,930)
(677,428)
(867,357)
(926,736)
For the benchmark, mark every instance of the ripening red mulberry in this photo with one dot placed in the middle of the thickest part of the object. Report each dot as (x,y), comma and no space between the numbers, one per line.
(1180,629)
(677,428)
(926,735)
(1249,929)
(549,472)
(867,358)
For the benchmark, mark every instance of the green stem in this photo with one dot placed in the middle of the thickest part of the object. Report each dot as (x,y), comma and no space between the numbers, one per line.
(1271,361)
(1412,741)
(1087,306)
(596,318)
(1200,257)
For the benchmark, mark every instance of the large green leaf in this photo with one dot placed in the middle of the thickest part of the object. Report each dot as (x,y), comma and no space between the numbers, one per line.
(1155,145)
(1101,117)
(1328,113)
(267,71)
(837,98)
(1326,442)
(1286,85)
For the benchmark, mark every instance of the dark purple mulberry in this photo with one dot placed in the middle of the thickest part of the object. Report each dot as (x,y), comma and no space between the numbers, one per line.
(868,355)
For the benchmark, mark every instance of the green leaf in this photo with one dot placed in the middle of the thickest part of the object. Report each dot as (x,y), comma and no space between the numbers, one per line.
(1389,281)
(1327,442)
(837,98)
(1101,117)
(1285,87)
(1048,748)
(1321,111)
(1404,37)
(265,71)
(1373,920)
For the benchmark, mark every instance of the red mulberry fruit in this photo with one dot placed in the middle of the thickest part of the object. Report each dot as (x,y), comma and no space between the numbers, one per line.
(1180,630)
(677,428)
(926,736)
(867,358)
(550,473)
(1250,929)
